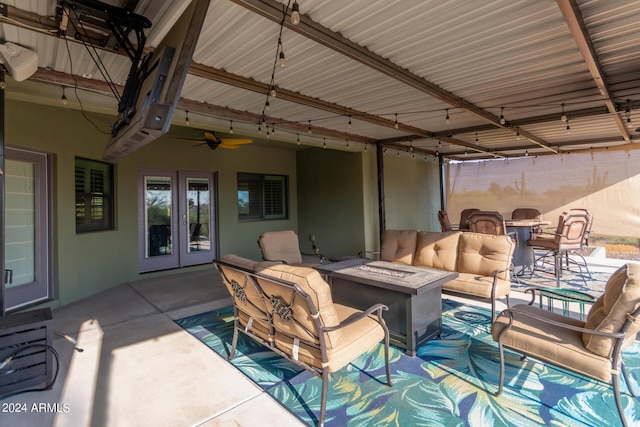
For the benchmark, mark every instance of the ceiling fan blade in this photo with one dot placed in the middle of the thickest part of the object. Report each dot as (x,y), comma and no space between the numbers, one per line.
(211,136)
(229,146)
(236,141)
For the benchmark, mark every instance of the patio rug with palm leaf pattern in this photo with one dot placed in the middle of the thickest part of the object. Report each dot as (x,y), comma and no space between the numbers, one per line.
(451,382)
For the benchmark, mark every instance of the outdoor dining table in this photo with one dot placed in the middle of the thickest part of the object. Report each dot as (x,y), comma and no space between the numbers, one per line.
(523,255)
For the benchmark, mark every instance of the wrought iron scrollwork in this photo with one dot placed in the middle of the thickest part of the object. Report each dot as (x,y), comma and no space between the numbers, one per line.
(280,308)
(238,291)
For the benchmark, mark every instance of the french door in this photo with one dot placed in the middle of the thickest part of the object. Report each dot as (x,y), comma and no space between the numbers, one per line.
(176,219)
(27,228)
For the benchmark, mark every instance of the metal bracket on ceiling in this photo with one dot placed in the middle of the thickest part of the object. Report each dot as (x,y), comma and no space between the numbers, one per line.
(75,17)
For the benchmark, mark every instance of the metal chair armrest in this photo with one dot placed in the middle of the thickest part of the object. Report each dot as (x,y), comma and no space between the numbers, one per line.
(510,311)
(358,316)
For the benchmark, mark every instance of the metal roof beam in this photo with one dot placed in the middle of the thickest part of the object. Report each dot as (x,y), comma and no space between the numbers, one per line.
(572,15)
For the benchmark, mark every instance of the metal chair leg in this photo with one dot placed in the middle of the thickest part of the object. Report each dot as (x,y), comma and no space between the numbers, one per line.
(234,341)
(615,378)
(323,398)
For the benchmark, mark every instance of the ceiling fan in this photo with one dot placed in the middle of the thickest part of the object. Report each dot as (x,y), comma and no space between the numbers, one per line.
(213,141)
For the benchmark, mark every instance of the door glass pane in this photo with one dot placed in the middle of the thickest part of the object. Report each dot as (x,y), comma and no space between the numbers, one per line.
(20,221)
(198,205)
(158,216)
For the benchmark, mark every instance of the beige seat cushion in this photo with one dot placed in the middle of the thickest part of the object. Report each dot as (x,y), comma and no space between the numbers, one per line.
(280,246)
(398,246)
(356,339)
(482,254)
(554,344)
(477,285)
(609,313)
(437,250)
(310,281)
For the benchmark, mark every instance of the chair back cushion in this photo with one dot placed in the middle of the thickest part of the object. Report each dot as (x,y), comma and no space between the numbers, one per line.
(301,324)
(398,246)
(483,254)
(487,222)
(280,246)
(437,250)
(574,227)
(609,313)
(464,218)
(526,213)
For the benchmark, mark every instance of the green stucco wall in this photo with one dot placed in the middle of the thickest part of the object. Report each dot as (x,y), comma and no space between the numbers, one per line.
(88,263)
(331,201)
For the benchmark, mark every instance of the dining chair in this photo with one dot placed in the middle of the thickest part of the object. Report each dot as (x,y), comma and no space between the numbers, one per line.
(464,218)
(443,219)
(567,239)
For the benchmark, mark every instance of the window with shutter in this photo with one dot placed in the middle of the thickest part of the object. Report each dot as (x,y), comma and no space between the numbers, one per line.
(262,197)
(94,195)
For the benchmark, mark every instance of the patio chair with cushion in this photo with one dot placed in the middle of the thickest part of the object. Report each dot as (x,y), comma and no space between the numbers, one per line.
(443,219)
(490,222)
(464,218)
(289,309)
(592,348)
(283,246)
(568,239)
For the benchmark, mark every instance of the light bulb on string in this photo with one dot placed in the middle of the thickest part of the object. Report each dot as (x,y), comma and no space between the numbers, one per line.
(518,134)
(477,140)
(446,119)
(63,97)
(324,142)
(298,138)
(309,129)
(231,127)
(295,13)
(563,117)
(568,129)
(186,118)
(282,61)
(349,124)
(395,124)
(273,92)
(267,106)
(502,119)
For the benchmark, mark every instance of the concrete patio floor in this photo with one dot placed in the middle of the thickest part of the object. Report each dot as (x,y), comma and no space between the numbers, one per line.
(139,368)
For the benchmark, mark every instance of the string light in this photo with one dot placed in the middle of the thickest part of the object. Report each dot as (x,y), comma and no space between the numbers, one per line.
(395,125)
(477,140)
(281,56)
(273,92)
(298,138)
(518,134)
(349,124)
(563,117)
(324,142)
(186,118)
(295,13)
(63,97)
(502,119)
(309,130)
(446,119)
(267,106)
(231,127)
(568,127)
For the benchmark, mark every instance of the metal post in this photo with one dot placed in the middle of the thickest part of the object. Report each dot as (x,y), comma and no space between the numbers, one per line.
(381,211)
(2,266)
(443,188)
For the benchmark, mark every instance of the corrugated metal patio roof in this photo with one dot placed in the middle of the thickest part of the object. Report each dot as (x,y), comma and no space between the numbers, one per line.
(354,68)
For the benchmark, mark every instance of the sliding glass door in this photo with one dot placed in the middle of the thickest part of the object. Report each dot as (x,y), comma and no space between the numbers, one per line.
(176,221)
